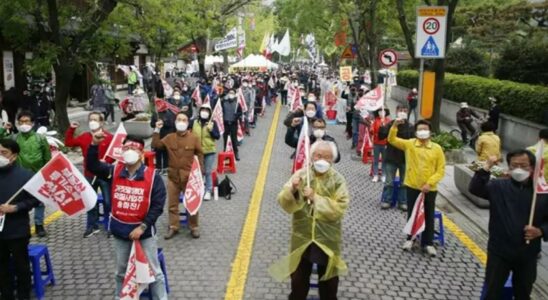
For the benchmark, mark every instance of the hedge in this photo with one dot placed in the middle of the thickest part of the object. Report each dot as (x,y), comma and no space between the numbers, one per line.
(524,101)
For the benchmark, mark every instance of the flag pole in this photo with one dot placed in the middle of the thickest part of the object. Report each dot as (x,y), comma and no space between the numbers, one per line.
(533,205)
(14,196)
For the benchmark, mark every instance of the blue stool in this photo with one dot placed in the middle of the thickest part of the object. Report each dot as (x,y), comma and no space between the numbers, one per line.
(314,284)
(40,278)
(507,292)
(395,192)
(104,216)
(161,260)
(439,235)
(183,214)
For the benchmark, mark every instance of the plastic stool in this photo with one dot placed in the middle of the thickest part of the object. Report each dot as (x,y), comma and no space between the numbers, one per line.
(183,215)
(226,162)
(149,158)
(103,217)
(161,260)
(507,292)
(440,234)
(314,284)
(40,278)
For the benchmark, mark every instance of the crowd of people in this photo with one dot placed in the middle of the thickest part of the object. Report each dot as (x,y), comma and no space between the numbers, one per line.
(316,195)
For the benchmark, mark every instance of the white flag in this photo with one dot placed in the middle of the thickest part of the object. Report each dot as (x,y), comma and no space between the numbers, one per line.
(284,47)
(139,274)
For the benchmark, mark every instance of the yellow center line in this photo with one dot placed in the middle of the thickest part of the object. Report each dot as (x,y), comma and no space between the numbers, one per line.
(49,219)
(240,265)
(476,250)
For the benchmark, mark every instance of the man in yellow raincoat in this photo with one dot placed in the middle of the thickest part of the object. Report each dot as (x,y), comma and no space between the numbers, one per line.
(316,227)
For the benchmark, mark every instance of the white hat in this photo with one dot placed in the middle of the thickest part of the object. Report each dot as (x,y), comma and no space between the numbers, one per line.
(464,105)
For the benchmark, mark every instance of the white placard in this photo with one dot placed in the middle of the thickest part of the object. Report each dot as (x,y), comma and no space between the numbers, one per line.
(9,70)
(431,31)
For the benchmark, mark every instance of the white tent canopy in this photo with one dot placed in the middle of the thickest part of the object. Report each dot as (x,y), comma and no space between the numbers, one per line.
(255,61)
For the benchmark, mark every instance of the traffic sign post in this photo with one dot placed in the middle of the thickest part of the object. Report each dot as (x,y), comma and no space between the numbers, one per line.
(430,39)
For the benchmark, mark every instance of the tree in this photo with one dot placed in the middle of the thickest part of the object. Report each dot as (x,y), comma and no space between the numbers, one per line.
(467,60)
(524,62)
(62,33)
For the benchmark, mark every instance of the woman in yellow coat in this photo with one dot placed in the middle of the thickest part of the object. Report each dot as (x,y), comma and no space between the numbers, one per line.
(316,226)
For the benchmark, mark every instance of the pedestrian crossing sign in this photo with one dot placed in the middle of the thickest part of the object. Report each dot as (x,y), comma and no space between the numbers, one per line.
(430,48)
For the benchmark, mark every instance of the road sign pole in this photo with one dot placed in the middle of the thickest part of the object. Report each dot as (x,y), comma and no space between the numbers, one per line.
(419,88)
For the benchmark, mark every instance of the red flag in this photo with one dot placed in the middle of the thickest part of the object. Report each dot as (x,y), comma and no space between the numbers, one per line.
(297,101)
(59,184)
(162,105)
(197,96)
(229,147)
(330,100)
(217,116)
(114,150)
(195,188)
(540,180)
(301,156)
(371,101)
(416,223)
(240,134)
(241,100)
(366,143)
(139,273)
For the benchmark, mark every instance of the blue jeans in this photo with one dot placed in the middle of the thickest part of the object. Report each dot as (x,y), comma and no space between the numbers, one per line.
(378,150)
(209,164)
(93,214)
(388,190)
(355,131)
(39,212)
(122,248)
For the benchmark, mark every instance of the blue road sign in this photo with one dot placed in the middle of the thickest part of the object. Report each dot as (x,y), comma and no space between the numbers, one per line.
(430,48)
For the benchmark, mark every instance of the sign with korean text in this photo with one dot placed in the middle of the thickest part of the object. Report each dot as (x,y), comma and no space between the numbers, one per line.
(345,73)
(431,31)
(195,188)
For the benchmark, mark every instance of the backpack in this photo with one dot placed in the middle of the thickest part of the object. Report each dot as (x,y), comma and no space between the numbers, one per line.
(227,188)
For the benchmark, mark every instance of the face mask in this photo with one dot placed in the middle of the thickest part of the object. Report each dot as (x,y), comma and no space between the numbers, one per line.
(176,96)
(94,125)
(185,89)
(24,128)
(312,99)
(130,157)
(321,166)
(244,84)
(423,134)
(181,126)
(4,162)
(382,114)
(319,133)
(402,115)
(310,113)
(204,114)
(519,174)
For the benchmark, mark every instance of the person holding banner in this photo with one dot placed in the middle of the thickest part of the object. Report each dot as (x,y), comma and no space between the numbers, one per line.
(14,227)
(207,132)
(317,198)
(138,198)
(424,169)
(181,147)
(543,137)
(514,241)
(34,154)
(95,124)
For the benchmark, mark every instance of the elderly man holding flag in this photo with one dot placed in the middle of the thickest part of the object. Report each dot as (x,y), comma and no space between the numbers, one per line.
(317,197)
(518,219)
(138,198)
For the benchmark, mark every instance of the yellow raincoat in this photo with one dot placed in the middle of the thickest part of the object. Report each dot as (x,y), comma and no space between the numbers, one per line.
(319,223)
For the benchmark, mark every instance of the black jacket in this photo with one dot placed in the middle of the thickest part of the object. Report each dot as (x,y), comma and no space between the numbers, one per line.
(405,131)
(16,225)
(510,205)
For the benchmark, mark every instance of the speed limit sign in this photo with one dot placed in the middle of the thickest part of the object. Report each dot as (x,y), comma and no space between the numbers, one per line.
(431,25)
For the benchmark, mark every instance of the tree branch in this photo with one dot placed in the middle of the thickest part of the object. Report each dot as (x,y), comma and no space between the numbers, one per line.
(39,20)
(356,40)
(231,7)
(406,32)
(53,21)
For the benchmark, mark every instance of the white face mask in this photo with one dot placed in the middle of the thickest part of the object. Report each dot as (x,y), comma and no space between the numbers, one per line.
(185,89)
(4,161)
(94,125)
(402,115)
(24,128)
(244,84)
(520,174)
(321,166)
(319,133)
(181,126)
(176,96)
(423,134)
(382,114)
(130,157)
(310,113)
(204,114)
(311,99)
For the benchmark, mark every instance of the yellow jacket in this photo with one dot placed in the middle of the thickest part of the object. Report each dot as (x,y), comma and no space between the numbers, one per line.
(424,163)
(488,144)
(533,149)
(319,223)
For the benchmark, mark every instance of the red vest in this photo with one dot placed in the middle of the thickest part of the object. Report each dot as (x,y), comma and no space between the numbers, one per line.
(131,198)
